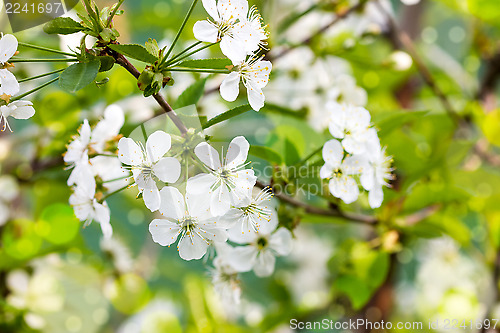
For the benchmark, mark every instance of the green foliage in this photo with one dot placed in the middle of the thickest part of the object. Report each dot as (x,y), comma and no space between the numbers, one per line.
(135,51)
(63,26)
(227,115)
(78,76)
(191,95)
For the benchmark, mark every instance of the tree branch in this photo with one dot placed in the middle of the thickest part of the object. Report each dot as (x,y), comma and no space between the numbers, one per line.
(363,219)
(122,61)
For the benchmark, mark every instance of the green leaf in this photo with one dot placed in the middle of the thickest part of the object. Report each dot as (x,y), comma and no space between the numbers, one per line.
(107,63)
(227,115)
(292,155)
(134,51)
(355,288)
(191,95)
(63,26)
(214,63)
(78,76)
(265,153)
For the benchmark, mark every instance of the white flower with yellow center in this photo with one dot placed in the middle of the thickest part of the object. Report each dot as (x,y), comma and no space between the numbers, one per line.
(239,35)
(340,171)
(227,183)
(260,254)
(254,73)
(189,220)
(148,164)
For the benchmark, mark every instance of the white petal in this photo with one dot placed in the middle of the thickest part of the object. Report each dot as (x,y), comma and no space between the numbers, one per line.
(167,169)
(22,109)
(220,201)
(352,145)
(164,232)
(376,197)
(368,178)
(8,83)
(157,145)
(232,9)
(233,49)
(348,190)
(8,47)
(256,97)
(212,233)
(192,247)
(354,165)
(326,171)
(281,241)
(244,182)
(198,206)
(337,119)
(243,258)
(172,203)
(102,215)
(265,264)
(151,198)
(211,8)
(129,152)
(205,31)
(200,184)
(333,153)
(208,155)
(230,87)
(232,219)
(237,152)
(261,71)
(268,227)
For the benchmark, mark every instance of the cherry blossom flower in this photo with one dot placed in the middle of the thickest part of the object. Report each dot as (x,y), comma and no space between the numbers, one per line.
(227,183)
(224,277)
(148,164)
(260,254)
(351,124)
(189,220)
(254,73)
(239,35)
(18,110)
(87,208)
(249,216)
(77,158)
(340,171)
(376,174)
(8,82)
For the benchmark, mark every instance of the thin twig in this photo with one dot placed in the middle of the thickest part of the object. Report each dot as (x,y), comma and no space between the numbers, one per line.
(122,61)
(363,219)
(407,43)
(339,17)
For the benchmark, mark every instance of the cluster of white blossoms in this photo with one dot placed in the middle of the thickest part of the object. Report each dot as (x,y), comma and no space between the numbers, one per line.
(242,35)
(95,168)
(217,206)
(355,154)
(9,86)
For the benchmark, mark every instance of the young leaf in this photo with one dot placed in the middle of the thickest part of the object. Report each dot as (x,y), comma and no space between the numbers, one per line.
(227,115)
(78,76)
(191,95)
(63,26)
(265,153)
(213,63)
(134,51)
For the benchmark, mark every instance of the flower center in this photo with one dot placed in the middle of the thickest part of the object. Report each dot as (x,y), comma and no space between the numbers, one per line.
(262,243)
